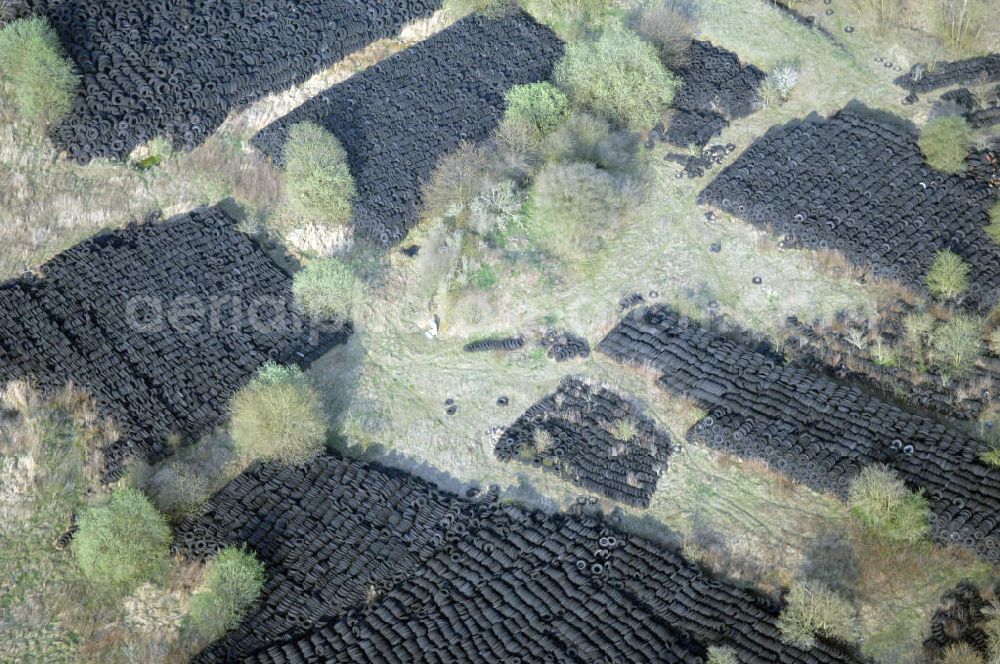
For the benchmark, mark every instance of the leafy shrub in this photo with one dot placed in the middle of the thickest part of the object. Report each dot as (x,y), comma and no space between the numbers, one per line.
(232,583)
(949,275)
(669,25)
(586,138)
(41,78)
(957,343)
(945,142)
(279,416)
(617,76)
(573,208)
(993,229)
(318,181)
(542,105)
(882,504)
(813,610)
(328,289)
(961,653)
(123,542)
(721,655)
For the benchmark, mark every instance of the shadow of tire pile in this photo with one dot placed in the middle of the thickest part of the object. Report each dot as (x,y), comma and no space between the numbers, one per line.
(813,429)
(370,564)
(177,68)
(580,442)
(398,118)
(857,183)
(715,88)
(160,322)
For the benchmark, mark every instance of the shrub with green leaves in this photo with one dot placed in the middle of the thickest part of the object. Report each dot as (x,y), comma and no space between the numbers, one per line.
(329,289)
(813,610)
(232,584)
(945,142)
(949,275)
(956,344)
(993,228)
(882,504)
(540,105)
(40,77)
(123,542)
(617,76)
(573,208)
(318,181)
(279,416)
(722,655)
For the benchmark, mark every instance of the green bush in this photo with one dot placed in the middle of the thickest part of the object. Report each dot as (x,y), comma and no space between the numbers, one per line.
(232,583)
(882,504)
(329,289)
(721,655)
(41,78)
(279,416)
(949,275)
(573,209)
(586,138)
(945,142)
(318,181)
(993,229)
(123,542)
(812,610)
(541,105)
(956,344)
(617,76)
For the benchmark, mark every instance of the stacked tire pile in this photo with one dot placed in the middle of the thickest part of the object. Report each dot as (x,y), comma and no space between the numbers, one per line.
(176,69)
(959,618)
(160,322)
(980,112)
(506,343)
(830,351)
(562,346)
(458,580)
(812,428)
(857,183)
(715,88)
(581,442)
(922,78)
(398,118)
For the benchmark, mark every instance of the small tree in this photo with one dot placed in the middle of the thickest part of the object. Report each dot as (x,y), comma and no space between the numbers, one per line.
(329,289)
(945,142)
(812,610)
(41,78)
(669,25)
(618,76)
(957,343)
(949,275)
(540,105)
(123,542)
(318,181)
(882,504)
(232,584)
(279,416)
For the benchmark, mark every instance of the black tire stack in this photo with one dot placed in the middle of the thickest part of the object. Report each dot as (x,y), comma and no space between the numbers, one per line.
(177,68)
(561,345)
(370,564)
(922,78)
(579,421)
(398,118)
(109,315)
(813,429)
(715,88)
(505,343)
(959,619)
(857,183)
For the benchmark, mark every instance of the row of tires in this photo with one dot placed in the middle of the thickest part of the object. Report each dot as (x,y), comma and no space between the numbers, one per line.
(813,428)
